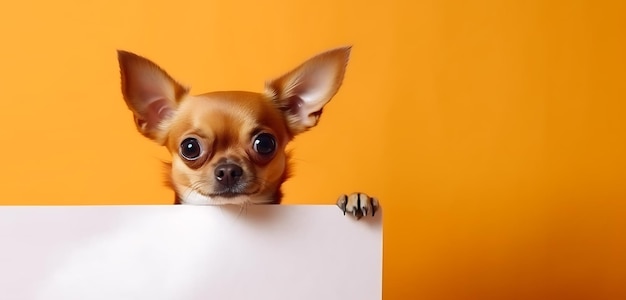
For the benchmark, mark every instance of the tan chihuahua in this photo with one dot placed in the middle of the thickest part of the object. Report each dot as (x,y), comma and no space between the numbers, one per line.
(228,147)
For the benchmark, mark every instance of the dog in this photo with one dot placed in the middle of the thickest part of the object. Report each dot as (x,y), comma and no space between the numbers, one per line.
(229,147)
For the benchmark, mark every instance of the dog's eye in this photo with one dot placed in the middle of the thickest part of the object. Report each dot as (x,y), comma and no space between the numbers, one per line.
(264,143)
(190,149)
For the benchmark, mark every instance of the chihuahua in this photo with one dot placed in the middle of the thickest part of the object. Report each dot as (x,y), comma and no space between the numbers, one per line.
(229,147)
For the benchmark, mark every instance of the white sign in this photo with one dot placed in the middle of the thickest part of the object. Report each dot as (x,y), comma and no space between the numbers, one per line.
(183,252)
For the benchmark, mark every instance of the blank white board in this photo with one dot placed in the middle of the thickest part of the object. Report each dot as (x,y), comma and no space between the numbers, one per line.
(305,252)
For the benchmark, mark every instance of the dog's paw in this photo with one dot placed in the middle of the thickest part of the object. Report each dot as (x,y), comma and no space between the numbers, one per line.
(358,204)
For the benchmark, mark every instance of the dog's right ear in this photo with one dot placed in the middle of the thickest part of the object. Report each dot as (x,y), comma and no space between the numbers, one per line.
(150,93)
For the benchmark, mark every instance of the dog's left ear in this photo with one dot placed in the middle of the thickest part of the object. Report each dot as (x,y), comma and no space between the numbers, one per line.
(303,92)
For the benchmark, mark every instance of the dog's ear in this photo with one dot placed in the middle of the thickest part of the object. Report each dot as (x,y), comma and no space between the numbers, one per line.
(303,92)
(150,93)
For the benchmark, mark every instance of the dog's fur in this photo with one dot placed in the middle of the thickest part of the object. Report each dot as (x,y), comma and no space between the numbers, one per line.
(229,147)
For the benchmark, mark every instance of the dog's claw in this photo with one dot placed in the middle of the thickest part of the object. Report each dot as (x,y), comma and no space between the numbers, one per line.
(358,204)
(375,205)
(342,203)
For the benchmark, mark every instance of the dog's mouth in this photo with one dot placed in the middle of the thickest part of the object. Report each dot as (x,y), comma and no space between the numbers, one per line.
(231,194)
(223,196)
(244,188)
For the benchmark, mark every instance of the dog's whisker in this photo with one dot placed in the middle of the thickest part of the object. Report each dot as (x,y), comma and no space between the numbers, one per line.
(242,207)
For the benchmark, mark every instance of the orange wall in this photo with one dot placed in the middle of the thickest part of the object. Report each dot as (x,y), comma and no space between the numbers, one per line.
(493,133)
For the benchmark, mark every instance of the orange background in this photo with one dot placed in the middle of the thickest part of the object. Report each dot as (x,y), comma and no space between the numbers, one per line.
(493,133)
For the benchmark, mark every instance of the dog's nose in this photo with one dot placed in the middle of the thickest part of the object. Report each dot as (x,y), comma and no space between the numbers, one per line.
(228,174)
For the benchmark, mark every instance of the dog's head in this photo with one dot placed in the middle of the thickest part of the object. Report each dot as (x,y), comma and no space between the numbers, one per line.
(229,147)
